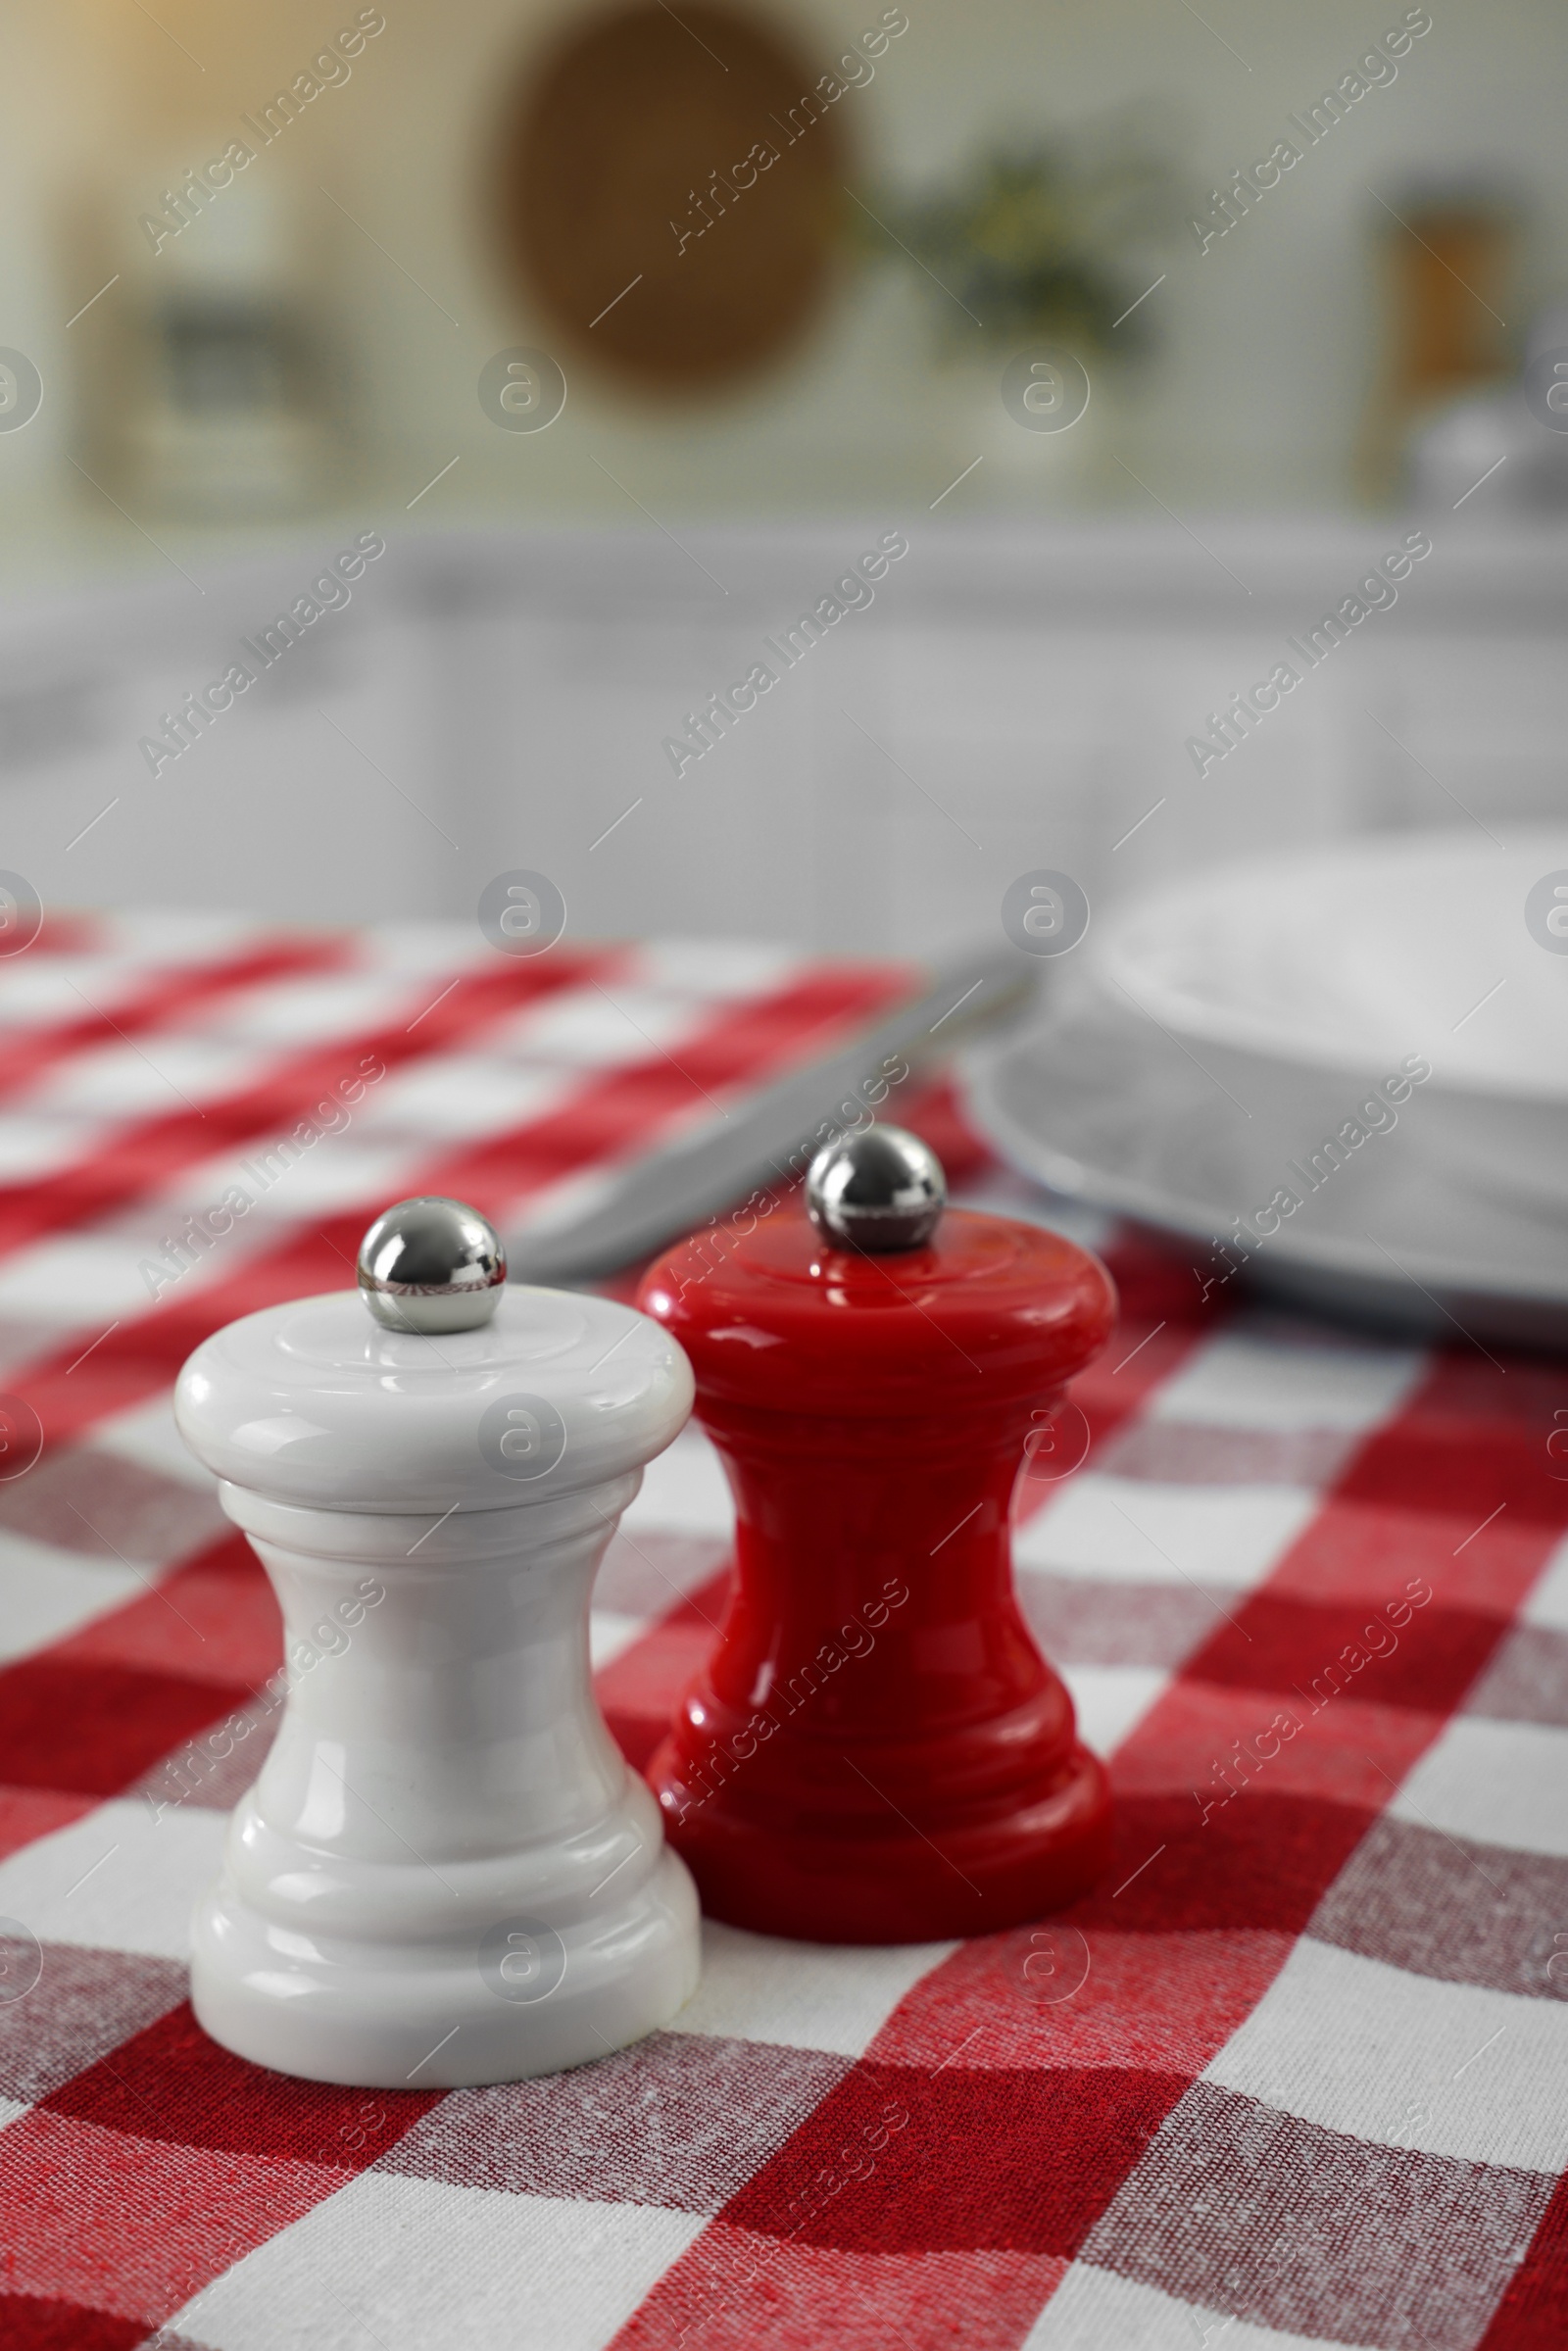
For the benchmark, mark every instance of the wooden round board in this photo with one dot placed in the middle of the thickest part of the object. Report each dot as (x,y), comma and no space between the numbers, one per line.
(671,188)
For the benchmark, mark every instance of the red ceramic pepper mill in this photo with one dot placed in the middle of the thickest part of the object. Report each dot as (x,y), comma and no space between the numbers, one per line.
(876,1750)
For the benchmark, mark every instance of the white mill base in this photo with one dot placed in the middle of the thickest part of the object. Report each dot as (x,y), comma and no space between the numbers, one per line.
(446,1873)
(388,2017)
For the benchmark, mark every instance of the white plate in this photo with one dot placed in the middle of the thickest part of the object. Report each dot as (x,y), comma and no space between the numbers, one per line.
(1371,949)
(1113,1112)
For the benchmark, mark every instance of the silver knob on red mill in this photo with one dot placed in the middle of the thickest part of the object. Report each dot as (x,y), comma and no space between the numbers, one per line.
(882,1189)
(432,1264)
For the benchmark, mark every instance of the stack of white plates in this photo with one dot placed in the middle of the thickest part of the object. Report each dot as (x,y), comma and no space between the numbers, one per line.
(1342,1074)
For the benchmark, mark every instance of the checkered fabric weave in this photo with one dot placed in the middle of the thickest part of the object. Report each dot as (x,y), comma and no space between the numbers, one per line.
(1291,2075)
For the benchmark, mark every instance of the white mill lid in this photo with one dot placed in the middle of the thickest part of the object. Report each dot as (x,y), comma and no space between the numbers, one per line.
(317,1403)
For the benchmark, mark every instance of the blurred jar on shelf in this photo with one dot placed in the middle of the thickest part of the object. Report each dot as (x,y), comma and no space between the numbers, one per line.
(207,392)
(1504,451)
(1456,424)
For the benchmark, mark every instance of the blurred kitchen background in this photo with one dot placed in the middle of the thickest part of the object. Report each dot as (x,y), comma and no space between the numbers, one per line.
(279,281)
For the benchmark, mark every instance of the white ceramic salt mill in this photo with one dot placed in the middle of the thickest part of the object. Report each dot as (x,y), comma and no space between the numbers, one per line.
(446,1873)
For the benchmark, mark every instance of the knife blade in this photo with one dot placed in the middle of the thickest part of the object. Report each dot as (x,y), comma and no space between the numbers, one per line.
(663,1193)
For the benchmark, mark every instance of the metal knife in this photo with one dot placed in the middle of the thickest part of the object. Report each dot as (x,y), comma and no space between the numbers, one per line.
(666,1191)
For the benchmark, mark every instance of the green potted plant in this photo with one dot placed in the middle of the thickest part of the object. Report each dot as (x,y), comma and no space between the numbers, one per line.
(1044,246)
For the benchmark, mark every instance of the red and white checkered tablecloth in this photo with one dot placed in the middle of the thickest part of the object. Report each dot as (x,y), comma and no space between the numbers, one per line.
(1310,1592)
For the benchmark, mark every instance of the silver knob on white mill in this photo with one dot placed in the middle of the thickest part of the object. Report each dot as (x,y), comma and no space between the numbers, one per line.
(882,1189)
(432,1265)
